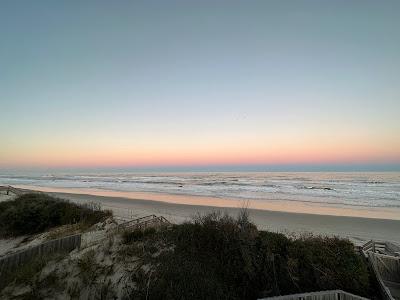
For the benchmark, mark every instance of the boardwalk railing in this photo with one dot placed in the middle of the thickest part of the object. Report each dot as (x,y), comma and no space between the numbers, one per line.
(16,259)
(94,237)
(381,247)
(323,295)
(144,222)
(134,222)
(387,272)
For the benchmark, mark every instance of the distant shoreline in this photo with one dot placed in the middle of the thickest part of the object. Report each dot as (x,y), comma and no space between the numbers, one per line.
(358,229)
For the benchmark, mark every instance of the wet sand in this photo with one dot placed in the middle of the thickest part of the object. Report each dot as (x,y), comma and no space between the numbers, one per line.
(264,204)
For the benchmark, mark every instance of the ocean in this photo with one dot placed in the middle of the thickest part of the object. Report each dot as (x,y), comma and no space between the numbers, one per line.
(357,189)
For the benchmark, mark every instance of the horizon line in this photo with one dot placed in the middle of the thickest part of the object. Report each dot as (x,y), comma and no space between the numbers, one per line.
(318,167)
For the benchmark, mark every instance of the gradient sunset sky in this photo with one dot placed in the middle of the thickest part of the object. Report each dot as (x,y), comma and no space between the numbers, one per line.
(192,83)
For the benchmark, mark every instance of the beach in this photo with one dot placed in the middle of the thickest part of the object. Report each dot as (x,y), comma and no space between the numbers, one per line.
(359,224)
(357,229)
(111,257)
(353,194)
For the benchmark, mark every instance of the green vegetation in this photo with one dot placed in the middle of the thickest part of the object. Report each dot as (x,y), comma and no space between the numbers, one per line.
(212,257)
(28,274)
(37,212)
(88,267)
(136,235)
(218,257)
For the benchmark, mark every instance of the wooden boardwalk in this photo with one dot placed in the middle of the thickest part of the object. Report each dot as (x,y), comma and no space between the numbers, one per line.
(381,247)
(144,222)
(323,295)
(151,221)
(387,272)
(384,258)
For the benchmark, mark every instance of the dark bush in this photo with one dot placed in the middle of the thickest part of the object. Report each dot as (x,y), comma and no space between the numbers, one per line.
(218,257)
(213,258)
(327,263)
(37,212)
(136,235)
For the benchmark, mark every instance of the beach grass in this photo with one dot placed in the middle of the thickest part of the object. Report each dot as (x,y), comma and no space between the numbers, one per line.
(216,256)
(37,212)
(211,256)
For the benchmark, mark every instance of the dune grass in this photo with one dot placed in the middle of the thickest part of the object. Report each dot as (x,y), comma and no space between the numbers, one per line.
(37,212)
(214,256)
(220,257)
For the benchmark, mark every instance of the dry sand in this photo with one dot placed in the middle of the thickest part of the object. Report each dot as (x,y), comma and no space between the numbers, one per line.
(357,229)
(5,197)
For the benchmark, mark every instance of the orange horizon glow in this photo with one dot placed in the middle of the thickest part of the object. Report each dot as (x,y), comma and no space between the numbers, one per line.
(244,154)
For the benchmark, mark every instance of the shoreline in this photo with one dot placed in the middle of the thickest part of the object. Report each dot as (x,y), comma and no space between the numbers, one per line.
(357,229)
(288,206)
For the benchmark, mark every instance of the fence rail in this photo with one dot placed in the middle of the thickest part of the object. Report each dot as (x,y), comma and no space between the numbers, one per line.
(387,272)
(71,242)
(135,222)
(94,237)
(144,222)
(323,295)
(59,245)
(381,247)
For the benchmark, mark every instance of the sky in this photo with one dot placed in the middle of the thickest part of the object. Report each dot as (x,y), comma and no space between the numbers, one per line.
(199,83)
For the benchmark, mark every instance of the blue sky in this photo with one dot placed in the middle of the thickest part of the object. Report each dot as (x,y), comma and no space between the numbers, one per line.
(154,83)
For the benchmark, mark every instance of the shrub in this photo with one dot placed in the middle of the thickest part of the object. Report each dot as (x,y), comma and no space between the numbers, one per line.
(328,263)
(215,257)
(219,257)
(136,235)
(88,267)
(37,212)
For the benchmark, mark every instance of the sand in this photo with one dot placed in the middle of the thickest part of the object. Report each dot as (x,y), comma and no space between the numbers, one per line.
(359,230)
(5,197)
(391,213)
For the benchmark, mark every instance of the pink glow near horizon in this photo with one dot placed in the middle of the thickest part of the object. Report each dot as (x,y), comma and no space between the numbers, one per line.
(177,156)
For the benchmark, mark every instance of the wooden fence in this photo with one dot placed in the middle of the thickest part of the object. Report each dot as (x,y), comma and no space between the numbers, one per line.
(381,247)
(323,295)
(91,238)
(144,222)
(16,259)
(387,272)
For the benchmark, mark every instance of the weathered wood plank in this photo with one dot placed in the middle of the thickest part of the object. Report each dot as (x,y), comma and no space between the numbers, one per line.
(386,269)
(59,245)
(322,295)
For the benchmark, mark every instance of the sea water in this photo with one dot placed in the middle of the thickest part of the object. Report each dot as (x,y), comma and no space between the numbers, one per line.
(341,188)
